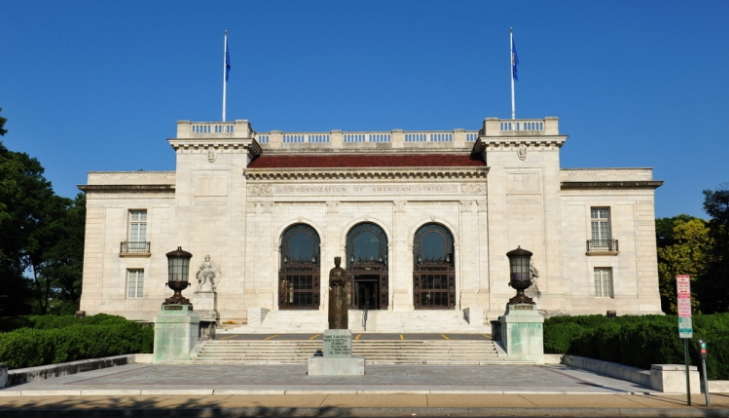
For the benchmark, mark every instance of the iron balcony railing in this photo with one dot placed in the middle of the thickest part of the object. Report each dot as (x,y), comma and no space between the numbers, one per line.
(135,247)
(602,245)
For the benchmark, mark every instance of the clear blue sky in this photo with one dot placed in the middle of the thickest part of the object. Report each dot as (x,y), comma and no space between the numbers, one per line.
(99,85)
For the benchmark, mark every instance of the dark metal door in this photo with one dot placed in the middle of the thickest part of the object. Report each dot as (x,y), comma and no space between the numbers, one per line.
(299,287)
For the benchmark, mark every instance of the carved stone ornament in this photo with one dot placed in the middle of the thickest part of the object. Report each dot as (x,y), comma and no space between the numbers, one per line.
(401,205)
(259,190)
(473,188)
(208,275)
(533,290)
(521,152)
(211,155)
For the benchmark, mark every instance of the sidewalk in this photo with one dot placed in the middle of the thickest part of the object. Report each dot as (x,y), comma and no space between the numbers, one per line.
(286,390)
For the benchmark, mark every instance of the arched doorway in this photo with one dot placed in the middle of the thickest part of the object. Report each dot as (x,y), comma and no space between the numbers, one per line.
(367,266)
(299,272)
(434,275)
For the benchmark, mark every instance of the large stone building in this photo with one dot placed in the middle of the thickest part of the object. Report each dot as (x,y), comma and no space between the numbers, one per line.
(422,221)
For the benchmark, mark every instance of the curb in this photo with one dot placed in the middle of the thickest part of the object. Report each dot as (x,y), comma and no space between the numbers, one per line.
(368,412)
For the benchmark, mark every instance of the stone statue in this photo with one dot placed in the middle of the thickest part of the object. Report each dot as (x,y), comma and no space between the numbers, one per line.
(338,300)
(208,276)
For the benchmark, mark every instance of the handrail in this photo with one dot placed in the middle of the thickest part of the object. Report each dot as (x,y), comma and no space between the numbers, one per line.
(364,314)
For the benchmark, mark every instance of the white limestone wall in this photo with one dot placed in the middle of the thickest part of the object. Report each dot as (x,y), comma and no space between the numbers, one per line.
(333,209)
(105,271)
(524,210)
(210,202)
(635,270)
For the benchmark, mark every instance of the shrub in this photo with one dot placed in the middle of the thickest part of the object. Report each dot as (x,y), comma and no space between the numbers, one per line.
(62,339)
(559,337)
(640,341)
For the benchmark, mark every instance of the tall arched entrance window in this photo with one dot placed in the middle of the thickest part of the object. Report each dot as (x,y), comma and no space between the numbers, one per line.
(434,275)
(367,266)
(299,277)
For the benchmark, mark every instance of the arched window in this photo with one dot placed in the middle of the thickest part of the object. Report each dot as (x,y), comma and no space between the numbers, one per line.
(367,267)
(299,281)
(434,278)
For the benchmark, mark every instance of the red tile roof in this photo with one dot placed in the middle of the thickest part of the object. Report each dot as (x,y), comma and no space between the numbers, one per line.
(366,160)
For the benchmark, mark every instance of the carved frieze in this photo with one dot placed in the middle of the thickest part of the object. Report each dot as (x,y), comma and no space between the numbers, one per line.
(211,185)
(522,183)
(257,190)
(473,188)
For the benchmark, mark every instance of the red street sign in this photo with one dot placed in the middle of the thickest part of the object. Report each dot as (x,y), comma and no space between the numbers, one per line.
(683,285)
(684,307)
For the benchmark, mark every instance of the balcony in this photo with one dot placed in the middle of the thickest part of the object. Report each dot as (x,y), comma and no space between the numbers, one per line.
(135,249)
(602,247)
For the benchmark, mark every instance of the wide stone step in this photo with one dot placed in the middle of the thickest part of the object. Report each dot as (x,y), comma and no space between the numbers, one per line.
(435,352)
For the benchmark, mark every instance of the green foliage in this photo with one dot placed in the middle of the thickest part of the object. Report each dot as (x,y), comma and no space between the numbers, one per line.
(684,247)
(55,339)
(559,336)
(42,233)
(2,123)
(639,341)
(714,289)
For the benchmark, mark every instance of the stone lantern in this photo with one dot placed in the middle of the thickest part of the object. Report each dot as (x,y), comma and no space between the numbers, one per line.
(521,329)
(178,272)
(177,327)
(520,274)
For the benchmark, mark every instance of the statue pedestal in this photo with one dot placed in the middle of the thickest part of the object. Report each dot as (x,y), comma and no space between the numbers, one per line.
(522,333)
(337,357)
(204,303)
(175,333)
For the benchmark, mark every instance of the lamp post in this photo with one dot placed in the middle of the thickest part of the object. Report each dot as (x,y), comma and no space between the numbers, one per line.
(178,270)
(521,276)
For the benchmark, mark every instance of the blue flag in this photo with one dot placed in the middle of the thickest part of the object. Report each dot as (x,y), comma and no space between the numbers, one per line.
(227,60)
(514,60)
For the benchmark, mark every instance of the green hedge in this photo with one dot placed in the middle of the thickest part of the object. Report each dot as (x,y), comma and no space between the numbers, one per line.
(57,339)
(640,340)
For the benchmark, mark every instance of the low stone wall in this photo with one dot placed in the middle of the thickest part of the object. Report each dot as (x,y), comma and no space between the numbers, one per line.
(32,374)
(668,378)
(617,370)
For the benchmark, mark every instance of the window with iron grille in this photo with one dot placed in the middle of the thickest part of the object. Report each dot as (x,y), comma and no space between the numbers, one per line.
(600,225)
(299,284)
(603,282)
(433,271)
(137,239)
(135,283)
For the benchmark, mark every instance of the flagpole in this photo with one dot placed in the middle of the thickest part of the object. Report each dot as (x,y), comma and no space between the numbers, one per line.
(225,70)
(511,70)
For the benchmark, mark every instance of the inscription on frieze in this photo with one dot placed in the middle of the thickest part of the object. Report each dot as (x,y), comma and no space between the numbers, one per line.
(367,189)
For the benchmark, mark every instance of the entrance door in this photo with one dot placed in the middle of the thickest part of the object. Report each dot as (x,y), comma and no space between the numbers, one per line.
(366,292)
(367,266)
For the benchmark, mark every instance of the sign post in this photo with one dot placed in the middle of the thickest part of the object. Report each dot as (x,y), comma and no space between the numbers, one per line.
(685,328)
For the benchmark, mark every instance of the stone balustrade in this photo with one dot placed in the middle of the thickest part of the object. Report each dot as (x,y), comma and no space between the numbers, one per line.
(492,127)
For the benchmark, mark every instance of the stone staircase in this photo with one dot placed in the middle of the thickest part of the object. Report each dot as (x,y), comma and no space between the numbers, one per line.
(422,321)
(433,352)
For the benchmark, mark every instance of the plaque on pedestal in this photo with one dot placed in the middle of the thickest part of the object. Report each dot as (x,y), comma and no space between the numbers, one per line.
(337,359)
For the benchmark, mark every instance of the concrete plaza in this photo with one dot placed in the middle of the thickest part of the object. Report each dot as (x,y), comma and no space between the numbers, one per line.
(396,390)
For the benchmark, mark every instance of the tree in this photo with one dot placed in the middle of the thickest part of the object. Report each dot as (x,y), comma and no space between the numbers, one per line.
(62,260)
(684,247)
(715,289)
(41,234)
(2,123)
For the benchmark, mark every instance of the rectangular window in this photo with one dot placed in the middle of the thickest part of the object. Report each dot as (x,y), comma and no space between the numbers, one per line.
(137,231)
(135,283)
(600,225)
(603,282)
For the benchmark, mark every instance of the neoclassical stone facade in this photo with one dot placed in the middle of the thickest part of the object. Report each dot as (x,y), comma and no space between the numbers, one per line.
(422,221)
